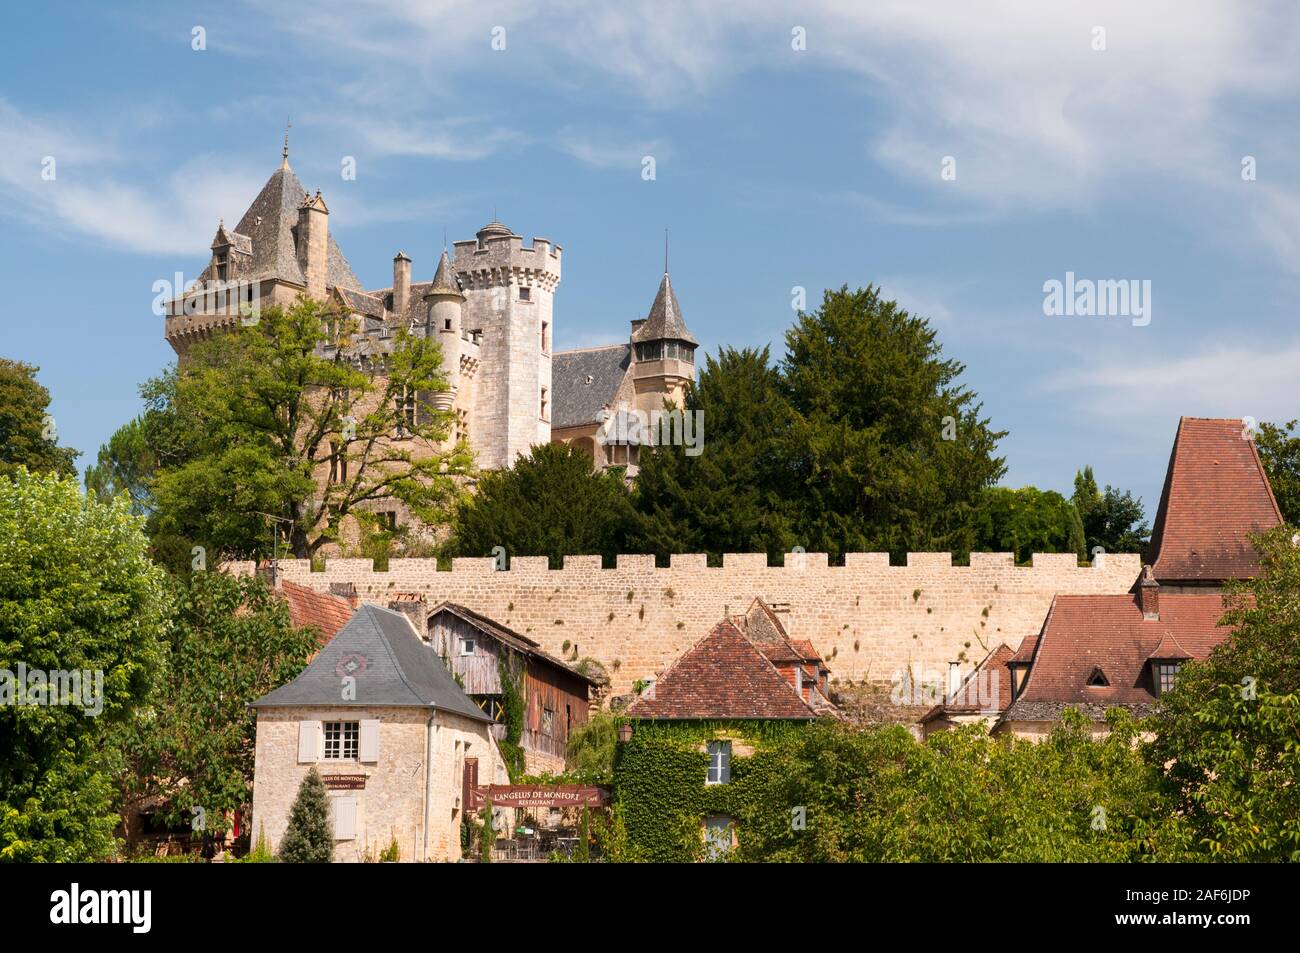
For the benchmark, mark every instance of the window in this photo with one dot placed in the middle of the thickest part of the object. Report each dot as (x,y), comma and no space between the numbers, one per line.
(548,721)
(546,344)
(466,645)
(543,406)
(388,519)
(1098,679)
(651,351)
(719,763)
(446,324)
(525,294)
(1165,674)
(717,836)
(342,740)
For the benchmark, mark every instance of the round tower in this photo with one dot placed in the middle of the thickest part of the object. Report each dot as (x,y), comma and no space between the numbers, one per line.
(445,303)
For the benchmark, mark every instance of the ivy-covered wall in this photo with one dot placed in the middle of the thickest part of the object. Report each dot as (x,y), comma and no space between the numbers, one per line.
(659,782)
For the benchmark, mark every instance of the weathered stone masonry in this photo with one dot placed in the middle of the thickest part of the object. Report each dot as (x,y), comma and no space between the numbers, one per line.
(867,618)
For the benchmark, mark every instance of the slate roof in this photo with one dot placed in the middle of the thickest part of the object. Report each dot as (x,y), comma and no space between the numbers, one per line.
(665,319)
(1108,632)
(1215,495)
(578,402)
(520,643)
(327,613)
(722,677)
(392,667)
(271,224)
(444,279)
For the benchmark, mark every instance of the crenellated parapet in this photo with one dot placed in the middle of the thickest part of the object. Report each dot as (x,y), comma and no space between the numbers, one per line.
(869,619)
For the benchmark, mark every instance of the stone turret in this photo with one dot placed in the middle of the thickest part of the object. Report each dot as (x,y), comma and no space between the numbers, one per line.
(663,352)
(445,304)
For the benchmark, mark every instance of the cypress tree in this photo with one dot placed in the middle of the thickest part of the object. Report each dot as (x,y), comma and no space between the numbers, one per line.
(310,836)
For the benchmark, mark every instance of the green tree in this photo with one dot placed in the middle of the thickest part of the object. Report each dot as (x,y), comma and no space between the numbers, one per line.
(550,503)
(126,465)
(231,642)
(1029,520)
(309,838)
(487,835)
(589,754)
(1279,451)
(27,436)
(734,496)
(77,593)
(255,416)
(1112,520)
(889,451)
(1228,730)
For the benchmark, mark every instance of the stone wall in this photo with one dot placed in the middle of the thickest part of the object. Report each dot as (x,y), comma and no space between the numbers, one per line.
(868,619)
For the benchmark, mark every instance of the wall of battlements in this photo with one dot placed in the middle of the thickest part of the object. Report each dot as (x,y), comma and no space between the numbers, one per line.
(868,619)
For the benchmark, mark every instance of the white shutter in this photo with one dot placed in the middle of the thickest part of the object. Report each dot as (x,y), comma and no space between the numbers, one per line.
(368,743)
(309,741)
(343,816)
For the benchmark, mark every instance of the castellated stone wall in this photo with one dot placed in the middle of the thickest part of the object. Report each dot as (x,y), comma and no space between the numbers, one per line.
(868,619)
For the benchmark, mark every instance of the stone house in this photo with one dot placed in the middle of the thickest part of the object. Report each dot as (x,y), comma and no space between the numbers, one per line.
(391,733)
(717,704)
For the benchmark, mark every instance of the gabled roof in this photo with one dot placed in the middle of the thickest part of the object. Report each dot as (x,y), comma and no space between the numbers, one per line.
(1108,632)
(1215,495)
(271,224)
(665,318)
(327,613)
(520,643)
(392,667)
(722,677)
(986,690)
(586,382)
(1025,654)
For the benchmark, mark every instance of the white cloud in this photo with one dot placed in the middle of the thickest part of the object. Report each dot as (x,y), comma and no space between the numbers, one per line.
(610,152)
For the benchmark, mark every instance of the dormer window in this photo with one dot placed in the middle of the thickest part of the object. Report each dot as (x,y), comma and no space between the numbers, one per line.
(1098,678)
(1163,673)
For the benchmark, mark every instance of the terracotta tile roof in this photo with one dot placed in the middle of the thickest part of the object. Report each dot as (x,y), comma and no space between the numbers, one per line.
(1215,495)
(809,654)
(724,677)
(986,690)
(1025,654)
(1083,633)
(327,613)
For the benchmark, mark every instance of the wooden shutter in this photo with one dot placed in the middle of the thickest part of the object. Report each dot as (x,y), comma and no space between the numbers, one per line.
(368,742)
(309,741)
(343,815)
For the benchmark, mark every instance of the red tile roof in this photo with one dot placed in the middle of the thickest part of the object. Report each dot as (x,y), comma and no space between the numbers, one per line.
(722,677)
(327,613)
(1215,495)
(1025,654)
(986,690)
(1083,633)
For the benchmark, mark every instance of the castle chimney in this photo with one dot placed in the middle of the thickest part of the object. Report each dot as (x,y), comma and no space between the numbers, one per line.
(401,283)
(1149,595)
(313,244)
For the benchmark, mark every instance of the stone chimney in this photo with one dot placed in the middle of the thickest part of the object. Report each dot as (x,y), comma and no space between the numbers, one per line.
(314,244)
(346,590)
(415,609)
(401,283)
(1149,595)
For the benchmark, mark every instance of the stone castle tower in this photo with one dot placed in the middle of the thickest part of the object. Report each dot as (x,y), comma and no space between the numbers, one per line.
(491,306)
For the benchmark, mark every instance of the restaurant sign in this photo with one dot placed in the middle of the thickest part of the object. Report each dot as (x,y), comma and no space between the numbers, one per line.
(538,795)
(344,782)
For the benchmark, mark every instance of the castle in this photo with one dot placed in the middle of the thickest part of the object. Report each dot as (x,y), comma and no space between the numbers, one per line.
(490,304)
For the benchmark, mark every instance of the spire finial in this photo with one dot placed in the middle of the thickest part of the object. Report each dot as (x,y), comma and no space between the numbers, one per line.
(444,238)
(284,154)
(665,251)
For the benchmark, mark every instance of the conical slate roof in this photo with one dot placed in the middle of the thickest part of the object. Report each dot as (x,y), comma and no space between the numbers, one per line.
(665,319)
(444,282)
(392,667)
(271,222)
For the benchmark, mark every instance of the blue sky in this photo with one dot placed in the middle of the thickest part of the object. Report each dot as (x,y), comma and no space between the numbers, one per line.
(775,168)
